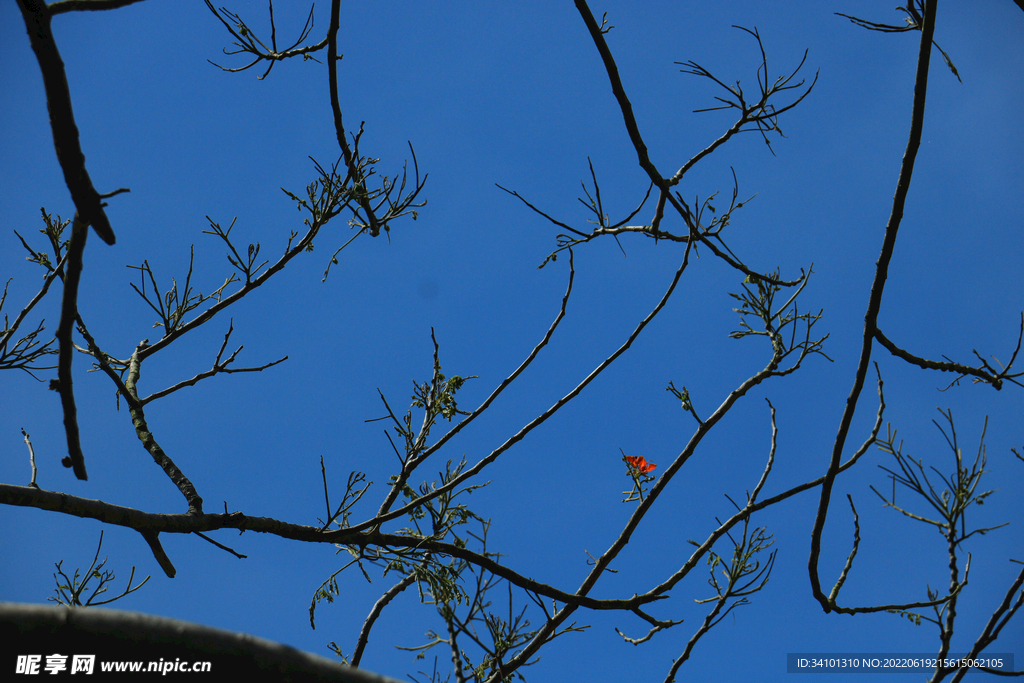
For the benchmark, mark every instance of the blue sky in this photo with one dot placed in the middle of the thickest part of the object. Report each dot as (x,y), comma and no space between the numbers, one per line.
(515,94)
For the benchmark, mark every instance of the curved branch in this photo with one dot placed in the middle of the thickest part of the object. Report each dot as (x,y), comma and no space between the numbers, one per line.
(378,607)
(540,419)
(150,522)
(999,618)
(750,508)
(351,159)
(981,373)
(643,157)
(875,301)
(396,490)
(625,106)
(150,637)
(195,502)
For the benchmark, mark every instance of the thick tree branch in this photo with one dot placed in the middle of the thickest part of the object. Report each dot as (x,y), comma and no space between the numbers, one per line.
(149,637)
(153,540)
(68,314)
(62,119)
(625,106)
(875,300)
(148,522)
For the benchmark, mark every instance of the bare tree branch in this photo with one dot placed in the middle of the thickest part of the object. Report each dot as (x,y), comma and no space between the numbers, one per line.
(451,567)
(597,34)
(149,637)
(985,373)
(62,6)
(62,122)
(247,41)
(540,419)
(875,301)
(23,357)
(68,314)
(151,524)
(378,607)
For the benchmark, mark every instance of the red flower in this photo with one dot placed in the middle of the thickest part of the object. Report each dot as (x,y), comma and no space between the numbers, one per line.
(638,463)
